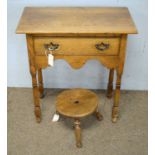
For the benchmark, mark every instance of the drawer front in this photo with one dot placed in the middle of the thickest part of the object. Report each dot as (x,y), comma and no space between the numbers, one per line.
(77,46)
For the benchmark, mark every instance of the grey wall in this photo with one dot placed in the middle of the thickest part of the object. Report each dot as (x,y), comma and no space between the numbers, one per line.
(93,74)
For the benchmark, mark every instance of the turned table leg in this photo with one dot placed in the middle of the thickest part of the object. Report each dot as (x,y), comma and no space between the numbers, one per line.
(77,133)
(37,109)
(40,80)
(110,84)
(116,99)
(33,72)
(119,72)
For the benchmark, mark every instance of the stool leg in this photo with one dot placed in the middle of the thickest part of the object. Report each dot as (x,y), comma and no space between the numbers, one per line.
(98,115)
(78,133)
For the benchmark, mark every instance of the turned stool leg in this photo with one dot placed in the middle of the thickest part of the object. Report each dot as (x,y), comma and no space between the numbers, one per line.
(98,115)
(78,133)
(40,80)
(110,84)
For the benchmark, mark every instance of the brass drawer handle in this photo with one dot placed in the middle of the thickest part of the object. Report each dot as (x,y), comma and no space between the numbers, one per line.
(102,46)
(51,46)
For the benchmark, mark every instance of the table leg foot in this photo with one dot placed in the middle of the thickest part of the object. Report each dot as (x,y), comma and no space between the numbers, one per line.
(38,114)
(114,120)
(42,95)
(114,114)
(109,96)
(79,145)
(38,120)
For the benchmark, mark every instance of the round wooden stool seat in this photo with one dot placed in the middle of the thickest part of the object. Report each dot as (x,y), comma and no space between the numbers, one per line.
(77,103)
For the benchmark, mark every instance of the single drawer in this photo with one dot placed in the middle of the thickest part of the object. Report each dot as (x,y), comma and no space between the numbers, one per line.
(77,46)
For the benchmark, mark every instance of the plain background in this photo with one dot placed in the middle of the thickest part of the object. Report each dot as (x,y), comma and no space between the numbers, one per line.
(93,74)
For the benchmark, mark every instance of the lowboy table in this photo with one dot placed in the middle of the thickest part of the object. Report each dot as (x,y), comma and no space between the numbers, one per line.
(76,35)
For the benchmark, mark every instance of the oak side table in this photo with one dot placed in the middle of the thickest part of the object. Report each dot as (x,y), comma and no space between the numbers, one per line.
(76,34)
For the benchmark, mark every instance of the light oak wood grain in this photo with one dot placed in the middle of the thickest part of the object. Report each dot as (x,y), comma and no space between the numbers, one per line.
(77,62)
(79,20)
(33,71)
(77,133)
(78,103)
(119,72)
(77,46)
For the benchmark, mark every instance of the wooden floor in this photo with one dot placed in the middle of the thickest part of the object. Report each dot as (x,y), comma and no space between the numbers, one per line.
(127,137)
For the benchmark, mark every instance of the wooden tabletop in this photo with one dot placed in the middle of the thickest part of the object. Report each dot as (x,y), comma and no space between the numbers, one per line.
(76,20)
(76,103)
